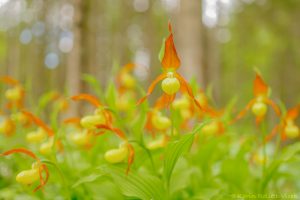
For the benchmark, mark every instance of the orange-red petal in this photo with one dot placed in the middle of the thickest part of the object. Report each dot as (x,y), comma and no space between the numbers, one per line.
(185,87)
(72,120)
(128,67)
(260,87)
(89,98)
(259,119)
(149,127)
(20,150)
(293,113)
(9,80)
(170,59)
(164,101)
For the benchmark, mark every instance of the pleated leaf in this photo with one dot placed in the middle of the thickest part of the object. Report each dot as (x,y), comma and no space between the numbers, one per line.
(142,186)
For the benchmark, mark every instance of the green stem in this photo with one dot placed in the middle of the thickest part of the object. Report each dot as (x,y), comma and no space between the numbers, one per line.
(147,151)
(263,143)
(172,120)
(263,130)
(64,182)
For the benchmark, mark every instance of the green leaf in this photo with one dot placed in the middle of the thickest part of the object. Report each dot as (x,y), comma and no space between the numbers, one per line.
(111,95)
(177,148)
(206,193)
(94,83)
(287,154)
(181,177)
(142,186)
(87,179)
(45,99)
(173,151)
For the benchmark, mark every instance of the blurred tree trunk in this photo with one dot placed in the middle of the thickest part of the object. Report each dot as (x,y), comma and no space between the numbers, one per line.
(74,60)
(188,37)
(212,61)
(13,53)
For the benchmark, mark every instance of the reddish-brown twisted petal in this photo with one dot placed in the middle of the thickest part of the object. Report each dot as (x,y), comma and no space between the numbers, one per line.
(130,157)
(42,181)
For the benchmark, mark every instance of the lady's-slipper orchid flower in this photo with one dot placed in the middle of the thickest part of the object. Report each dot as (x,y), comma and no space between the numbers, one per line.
(171,81)
(16,94)
(204,102)
(20,118)
(156,121)
(46,147)
(7,127)
(79,136)
(158,143)
(102,120)
(287,128)
(36,136)
(126,84)
(34,174)
(101,115)
(38,122)
(258,105)
(82,138)
(125,80)
(215,127)
(188,110)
